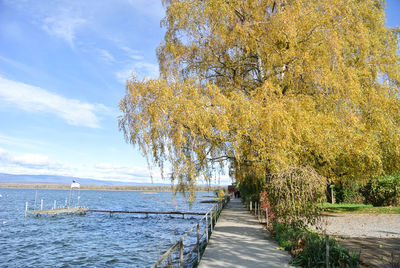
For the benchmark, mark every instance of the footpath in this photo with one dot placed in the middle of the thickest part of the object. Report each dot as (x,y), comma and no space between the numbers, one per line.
(238,240)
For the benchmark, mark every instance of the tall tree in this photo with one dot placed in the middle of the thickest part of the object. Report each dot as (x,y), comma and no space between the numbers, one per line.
(267,84)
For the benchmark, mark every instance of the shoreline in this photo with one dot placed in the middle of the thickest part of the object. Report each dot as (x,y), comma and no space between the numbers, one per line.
(91,187)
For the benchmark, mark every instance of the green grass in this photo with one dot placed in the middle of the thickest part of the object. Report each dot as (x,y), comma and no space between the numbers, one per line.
(359,208)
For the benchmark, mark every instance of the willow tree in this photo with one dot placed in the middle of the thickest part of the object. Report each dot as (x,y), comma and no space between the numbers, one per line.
(268,84)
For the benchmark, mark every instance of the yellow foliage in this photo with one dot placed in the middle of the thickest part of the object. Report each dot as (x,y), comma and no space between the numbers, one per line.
(269,84)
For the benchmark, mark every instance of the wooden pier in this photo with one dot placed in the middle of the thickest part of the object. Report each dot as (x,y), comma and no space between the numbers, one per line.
(183,213)
(76,210)
(83,210)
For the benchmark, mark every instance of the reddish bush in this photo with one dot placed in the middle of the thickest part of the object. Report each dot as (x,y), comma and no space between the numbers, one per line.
(265,204)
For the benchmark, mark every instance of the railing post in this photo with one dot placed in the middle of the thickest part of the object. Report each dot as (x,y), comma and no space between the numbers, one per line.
(327,250)
(207,226)
(256,212)
(211,220)
(26,207)
(181,252)
(198,244)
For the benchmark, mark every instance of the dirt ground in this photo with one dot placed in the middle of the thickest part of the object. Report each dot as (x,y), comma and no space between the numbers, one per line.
(376,236)
(375,252)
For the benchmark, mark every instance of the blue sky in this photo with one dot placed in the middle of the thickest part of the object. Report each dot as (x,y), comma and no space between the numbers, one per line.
(63,67)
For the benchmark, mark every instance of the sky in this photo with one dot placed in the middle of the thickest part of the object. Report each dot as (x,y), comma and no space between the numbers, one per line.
(63,69)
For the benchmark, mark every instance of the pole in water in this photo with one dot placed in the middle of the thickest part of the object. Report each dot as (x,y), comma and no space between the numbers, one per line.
(26,207)
(35,197)
(69,200)
(79,196)
(55,204)
(41,204)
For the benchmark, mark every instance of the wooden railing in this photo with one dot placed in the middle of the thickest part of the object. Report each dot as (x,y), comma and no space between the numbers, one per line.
(256,210)
(210,219)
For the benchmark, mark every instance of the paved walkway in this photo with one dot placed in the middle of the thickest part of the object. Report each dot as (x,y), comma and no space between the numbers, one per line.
(239,241)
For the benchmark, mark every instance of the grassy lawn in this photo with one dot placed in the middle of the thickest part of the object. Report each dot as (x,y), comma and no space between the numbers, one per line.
(359,208)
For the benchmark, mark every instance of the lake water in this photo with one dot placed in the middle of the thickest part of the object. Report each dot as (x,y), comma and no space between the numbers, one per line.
(94,239)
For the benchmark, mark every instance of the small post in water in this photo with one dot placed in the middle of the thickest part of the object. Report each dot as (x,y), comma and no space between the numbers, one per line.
(55,204)
(26,207)
(41,204)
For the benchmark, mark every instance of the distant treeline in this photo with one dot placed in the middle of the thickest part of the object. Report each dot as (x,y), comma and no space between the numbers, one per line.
(158,188)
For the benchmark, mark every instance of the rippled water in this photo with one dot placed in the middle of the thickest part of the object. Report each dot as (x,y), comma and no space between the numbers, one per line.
(94,239)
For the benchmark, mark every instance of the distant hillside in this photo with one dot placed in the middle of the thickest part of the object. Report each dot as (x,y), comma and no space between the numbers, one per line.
(63,182)
(54,179)
(161,188)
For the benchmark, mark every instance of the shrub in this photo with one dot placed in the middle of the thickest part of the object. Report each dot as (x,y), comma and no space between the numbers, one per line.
(314,253)
(265,204)
(296,195)
(382,191)
(348,192)
(250,187)
(309,248)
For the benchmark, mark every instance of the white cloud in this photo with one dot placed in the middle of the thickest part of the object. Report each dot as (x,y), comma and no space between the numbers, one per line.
(139,69)
(63,27)
(106,56)
(35,99)
(131,53)
(29,161)
(38,164)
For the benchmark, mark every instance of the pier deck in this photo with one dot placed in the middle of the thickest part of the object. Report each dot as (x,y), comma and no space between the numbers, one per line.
(239,240)
(56,211)
(81,210)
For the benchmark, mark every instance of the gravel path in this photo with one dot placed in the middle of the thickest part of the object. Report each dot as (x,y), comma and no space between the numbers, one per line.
(363,225)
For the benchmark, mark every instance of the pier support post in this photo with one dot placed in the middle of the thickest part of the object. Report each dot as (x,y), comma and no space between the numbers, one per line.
(26,207)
